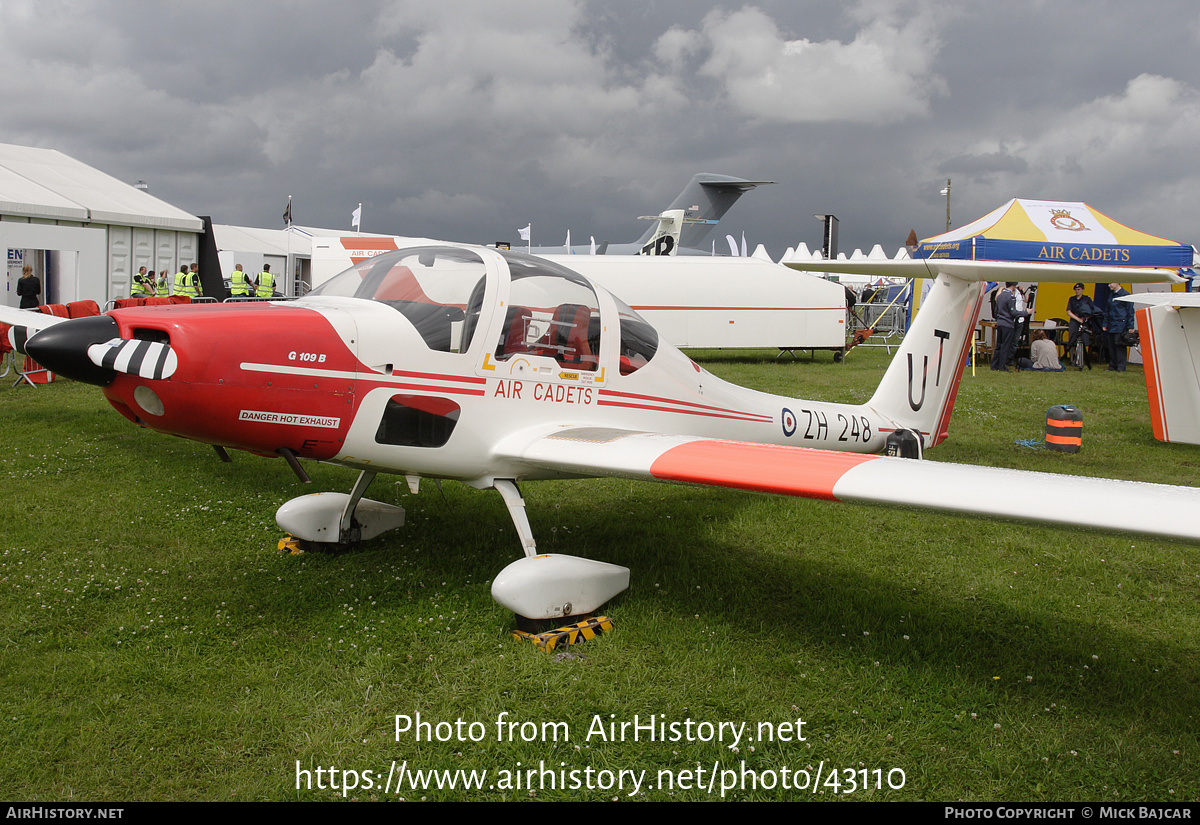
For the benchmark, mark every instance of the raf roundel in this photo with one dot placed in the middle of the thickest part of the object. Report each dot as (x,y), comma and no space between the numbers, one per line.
(789,422)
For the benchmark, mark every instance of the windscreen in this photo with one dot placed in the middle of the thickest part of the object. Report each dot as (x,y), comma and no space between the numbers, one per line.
(431,286)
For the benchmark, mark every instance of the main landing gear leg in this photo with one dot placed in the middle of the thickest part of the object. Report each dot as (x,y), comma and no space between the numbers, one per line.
(508,490)
(550,586)
(348,531)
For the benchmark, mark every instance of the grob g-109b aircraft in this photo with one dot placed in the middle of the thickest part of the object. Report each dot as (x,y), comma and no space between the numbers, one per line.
(493,367)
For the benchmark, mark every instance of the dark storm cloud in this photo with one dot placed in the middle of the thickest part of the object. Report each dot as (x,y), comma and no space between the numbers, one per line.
(467,119)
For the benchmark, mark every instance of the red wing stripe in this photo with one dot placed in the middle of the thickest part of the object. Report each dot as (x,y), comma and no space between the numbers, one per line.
(767,468)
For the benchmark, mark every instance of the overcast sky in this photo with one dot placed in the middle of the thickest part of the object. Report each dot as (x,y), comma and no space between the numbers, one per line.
(466,119)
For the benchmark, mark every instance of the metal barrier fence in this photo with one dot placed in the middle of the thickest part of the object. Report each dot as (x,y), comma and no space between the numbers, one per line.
(888,319)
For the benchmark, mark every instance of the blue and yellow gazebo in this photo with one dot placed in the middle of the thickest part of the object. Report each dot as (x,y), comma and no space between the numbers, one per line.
(1061,232)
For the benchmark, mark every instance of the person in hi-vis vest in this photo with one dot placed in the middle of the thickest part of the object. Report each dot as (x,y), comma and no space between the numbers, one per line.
(266,283)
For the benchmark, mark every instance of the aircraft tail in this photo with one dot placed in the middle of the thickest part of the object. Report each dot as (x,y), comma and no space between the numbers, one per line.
(704,200)
(918,390)
(666,235)
(1169,325)
(920,386)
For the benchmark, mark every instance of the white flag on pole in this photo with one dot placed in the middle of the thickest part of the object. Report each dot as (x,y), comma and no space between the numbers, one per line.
(525,232)
(356,217)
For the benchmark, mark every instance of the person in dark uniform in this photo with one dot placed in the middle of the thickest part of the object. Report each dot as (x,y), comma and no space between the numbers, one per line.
(29,288)
(1118,322)
(1006,327)
(1079,309)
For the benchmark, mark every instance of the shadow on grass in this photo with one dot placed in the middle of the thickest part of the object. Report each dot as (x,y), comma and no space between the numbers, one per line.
(810,595)
(806,580)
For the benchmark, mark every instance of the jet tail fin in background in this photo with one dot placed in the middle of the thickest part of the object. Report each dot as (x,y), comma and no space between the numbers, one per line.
(705,199)
(666,237)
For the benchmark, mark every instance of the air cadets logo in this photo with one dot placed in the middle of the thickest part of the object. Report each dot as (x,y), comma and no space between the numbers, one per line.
(1062,220)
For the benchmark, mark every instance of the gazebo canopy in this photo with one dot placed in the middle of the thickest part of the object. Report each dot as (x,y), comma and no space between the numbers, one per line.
(1062,232)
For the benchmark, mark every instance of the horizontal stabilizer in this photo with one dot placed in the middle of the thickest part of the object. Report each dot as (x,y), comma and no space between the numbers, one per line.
(740,185)
(704,201)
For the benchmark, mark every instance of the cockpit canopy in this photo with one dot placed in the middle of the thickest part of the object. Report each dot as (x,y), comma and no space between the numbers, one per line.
(551,311)
(437,288)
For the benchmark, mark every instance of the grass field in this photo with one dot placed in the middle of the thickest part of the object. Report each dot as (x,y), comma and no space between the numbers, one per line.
(156,645)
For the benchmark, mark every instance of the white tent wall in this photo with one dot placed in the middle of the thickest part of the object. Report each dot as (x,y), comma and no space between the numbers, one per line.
(120,261)
(86,278)
(96,262)
(187,248)
(251,262)
(131,248)
(165,244)
(279,267)
(143,250)
(64,274)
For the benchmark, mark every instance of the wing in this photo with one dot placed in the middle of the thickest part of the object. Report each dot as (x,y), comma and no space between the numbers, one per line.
(1103,504)
(988,270)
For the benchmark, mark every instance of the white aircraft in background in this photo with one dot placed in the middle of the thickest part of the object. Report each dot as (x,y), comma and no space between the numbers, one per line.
(492,367)
(682,227)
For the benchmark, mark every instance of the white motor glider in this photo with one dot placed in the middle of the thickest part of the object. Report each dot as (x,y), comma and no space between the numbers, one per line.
(493,367)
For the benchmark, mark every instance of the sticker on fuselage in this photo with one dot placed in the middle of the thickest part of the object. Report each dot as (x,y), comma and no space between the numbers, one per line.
(295,419)
(788,418)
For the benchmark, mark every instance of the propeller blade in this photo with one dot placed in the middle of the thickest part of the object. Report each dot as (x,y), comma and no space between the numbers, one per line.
(146,359)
